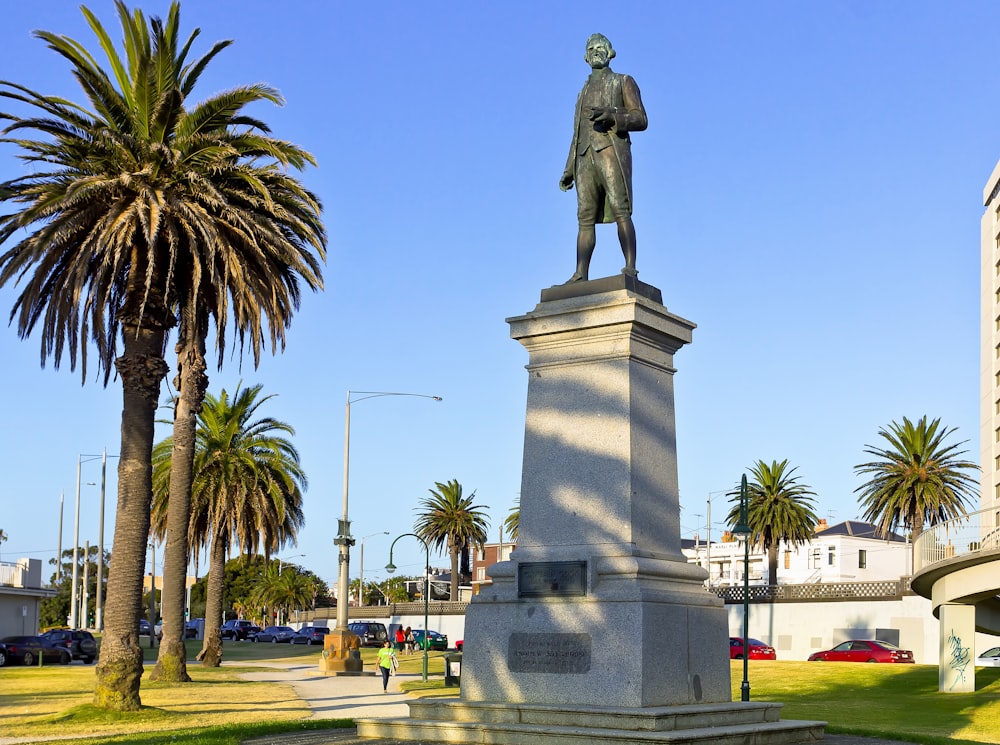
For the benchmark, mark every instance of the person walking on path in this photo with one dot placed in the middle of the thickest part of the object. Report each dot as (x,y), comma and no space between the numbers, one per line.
(386,663)
(400,639)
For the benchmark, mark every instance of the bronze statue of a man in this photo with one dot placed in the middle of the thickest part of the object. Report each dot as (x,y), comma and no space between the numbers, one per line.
(600,157)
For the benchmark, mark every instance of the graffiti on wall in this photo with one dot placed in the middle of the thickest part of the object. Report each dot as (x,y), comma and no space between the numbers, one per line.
(959,658)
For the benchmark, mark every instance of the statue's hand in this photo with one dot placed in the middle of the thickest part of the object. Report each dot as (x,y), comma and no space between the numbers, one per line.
(602,117)
(566,182)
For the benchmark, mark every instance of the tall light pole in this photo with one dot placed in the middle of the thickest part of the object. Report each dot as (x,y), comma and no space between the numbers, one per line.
(59,550)
(742,533)
(390,568)
(361,567)
(344,541)
(708,533)
(74,617)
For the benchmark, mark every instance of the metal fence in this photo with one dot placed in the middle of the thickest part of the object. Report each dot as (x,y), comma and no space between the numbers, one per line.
(878,590)
(979,531)
(11,575)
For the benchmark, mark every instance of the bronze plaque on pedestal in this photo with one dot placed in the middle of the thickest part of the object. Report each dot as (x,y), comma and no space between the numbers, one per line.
(544,579)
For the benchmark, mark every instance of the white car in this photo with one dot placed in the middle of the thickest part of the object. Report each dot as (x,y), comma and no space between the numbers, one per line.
(989,658)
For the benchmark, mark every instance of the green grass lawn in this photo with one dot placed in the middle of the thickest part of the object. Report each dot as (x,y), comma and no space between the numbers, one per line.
(218,708)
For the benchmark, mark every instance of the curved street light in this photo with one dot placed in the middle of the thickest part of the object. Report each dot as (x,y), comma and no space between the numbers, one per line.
(390,568)
(742,532)
(344,541)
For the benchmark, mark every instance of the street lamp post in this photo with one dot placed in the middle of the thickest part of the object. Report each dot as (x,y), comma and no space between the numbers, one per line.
(75,598)
(286,558)
(361,567)
(280,616)
(344,541)
(390,568)
(742,533)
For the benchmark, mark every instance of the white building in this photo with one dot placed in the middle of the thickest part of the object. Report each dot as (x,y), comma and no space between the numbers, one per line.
(850,551)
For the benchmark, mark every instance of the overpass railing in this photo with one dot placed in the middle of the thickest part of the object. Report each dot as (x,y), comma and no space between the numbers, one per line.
(977,531)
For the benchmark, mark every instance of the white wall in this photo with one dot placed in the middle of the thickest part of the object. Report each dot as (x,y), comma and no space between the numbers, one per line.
(796,630)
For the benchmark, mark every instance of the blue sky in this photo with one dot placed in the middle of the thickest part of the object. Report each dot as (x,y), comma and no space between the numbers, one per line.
(808,192)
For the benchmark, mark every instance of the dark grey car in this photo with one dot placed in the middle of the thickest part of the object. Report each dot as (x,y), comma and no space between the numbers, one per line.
(80,644)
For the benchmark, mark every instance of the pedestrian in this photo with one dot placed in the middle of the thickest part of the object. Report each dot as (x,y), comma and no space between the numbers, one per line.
(386,663)
(400,639)
(411,641)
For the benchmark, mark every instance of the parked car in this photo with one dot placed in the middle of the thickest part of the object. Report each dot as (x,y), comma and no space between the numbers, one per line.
(459,644)
(310,635)
(863,650)
(144,627)
(238,629)
(276,635)
(27,650)
(758,650)
(193,628)
(371,634)
(80,644)
(989,658)
(434,640)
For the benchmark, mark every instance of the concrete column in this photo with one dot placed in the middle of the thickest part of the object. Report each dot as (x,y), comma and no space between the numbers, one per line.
(957,666)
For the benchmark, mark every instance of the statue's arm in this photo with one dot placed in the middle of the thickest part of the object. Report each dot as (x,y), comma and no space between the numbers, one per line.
(569,172)
(633,118)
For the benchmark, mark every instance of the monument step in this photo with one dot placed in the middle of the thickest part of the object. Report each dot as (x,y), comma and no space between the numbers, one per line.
(492,733)
(654,718)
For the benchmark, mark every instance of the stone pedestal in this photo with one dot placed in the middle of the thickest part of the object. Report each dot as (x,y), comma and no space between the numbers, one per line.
(341,653)
(597,595)
(597,624)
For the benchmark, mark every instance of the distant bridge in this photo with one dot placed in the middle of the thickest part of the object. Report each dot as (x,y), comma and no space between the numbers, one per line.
(956,566)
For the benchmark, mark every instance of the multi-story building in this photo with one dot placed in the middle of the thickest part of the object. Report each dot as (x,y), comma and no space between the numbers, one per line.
(989,357)
(481,560)
(850,551)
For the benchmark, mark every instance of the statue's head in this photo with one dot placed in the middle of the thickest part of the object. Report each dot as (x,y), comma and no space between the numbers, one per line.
(599,51)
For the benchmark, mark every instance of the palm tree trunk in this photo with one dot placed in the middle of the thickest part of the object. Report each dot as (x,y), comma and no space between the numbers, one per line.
(772,565)
(191,383)
(453,589)
(211,650)
(141,368)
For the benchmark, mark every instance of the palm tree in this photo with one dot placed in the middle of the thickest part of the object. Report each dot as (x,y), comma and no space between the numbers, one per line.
(246,491)
(451,521)
(280,592)
(144,212)
(101,264)
(779,509)
(512,522)
(917,479)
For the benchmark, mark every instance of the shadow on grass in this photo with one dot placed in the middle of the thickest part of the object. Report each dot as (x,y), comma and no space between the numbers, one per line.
(898,702)
(220,735)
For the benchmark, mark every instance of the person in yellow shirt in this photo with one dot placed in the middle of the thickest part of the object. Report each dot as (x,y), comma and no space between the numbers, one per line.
(386,663)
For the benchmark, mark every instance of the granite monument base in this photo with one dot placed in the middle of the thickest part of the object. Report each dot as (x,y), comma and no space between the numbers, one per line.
(597,629)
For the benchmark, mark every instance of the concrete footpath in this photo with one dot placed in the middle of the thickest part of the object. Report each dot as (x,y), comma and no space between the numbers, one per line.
(333,697)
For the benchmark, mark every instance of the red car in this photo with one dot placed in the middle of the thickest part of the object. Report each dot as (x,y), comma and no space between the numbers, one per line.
(863,650)
(758,650)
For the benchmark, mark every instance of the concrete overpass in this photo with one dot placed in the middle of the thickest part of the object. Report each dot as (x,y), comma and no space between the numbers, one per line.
(956,566)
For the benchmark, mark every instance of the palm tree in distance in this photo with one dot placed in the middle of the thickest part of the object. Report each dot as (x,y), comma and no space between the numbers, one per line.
(447,520)
(246,491)
(779,509)
(144,212)
(280,592)
(917,479)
